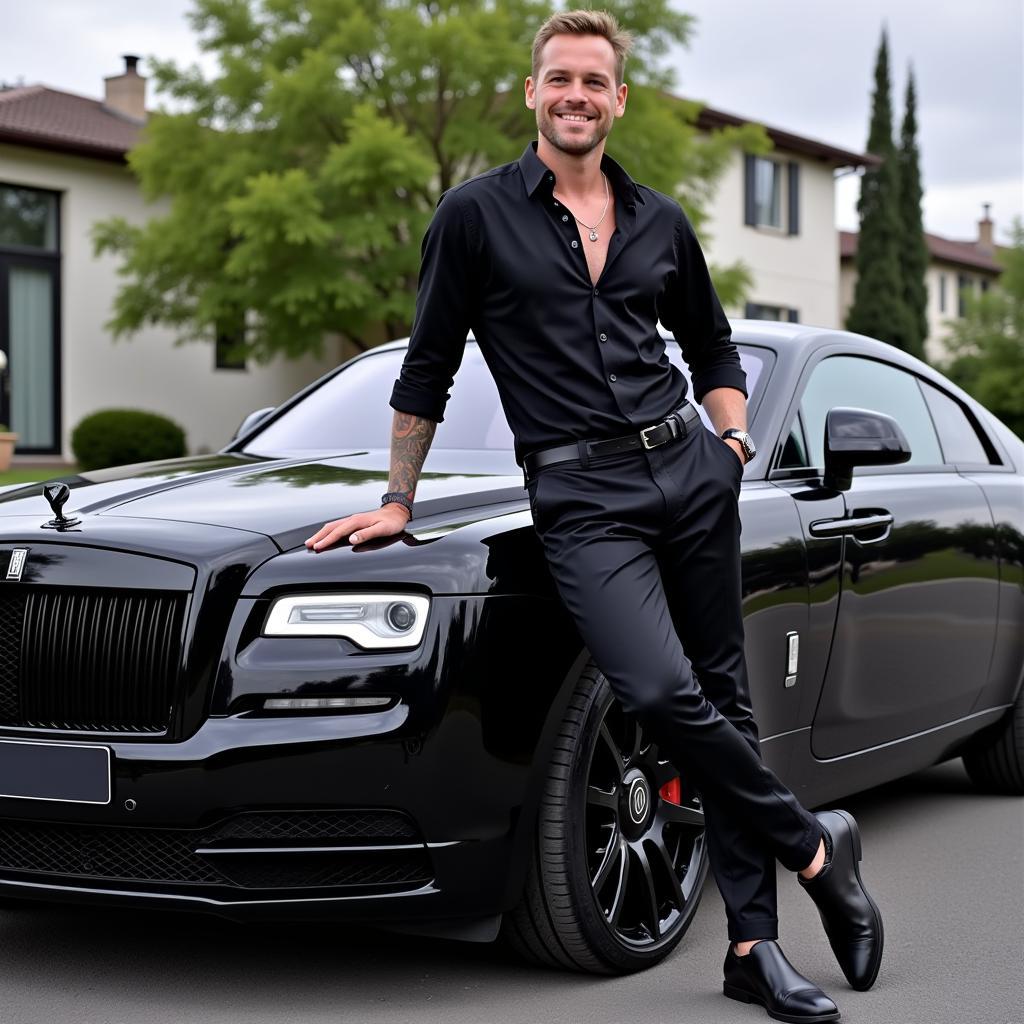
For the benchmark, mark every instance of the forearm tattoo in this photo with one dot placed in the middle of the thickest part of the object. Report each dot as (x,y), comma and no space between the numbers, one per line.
(410,441)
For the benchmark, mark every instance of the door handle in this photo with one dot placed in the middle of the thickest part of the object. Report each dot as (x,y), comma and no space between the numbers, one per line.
(854,525)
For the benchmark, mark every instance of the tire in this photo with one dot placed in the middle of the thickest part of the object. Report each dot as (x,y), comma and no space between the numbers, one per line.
(578,912)
(994,759)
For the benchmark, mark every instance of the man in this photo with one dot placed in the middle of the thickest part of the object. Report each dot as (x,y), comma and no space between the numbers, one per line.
(562,265)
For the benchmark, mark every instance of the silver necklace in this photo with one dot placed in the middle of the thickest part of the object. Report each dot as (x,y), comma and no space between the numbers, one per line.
(593,230)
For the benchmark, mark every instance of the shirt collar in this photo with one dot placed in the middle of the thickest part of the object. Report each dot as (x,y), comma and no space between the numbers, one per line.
(534,171)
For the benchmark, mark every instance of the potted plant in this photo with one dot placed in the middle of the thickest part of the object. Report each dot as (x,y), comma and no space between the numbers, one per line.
(7,440)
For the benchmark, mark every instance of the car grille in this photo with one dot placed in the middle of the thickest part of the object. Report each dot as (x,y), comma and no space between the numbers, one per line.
(89,659)
(167,856)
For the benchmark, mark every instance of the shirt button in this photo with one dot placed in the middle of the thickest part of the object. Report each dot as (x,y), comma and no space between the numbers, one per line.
(603,337)
(565,217)
(551,177)
(595,291)
(574,243)
(611,376)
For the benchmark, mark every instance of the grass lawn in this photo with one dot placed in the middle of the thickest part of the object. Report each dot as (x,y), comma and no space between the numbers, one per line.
(31,473)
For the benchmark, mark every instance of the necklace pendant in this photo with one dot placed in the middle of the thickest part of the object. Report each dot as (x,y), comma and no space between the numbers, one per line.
(593,236)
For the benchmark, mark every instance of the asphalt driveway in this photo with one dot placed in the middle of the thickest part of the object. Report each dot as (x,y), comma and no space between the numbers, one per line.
(945,864)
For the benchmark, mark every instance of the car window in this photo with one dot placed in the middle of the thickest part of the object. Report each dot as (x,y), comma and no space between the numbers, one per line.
(957,435)
(864,384)
(352,407)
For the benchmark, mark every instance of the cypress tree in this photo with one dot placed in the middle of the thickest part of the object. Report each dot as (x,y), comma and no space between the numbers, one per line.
(878,308)
(913,248)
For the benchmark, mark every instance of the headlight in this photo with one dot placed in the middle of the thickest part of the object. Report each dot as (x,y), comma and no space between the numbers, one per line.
(374,621)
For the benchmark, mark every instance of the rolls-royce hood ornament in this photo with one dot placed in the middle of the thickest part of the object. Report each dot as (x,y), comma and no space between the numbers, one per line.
(57,495)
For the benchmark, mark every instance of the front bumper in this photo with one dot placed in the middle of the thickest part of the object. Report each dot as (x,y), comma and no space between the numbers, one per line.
(333,816)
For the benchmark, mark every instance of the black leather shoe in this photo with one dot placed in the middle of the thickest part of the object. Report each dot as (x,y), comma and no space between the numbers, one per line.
(765,976)
(851,917)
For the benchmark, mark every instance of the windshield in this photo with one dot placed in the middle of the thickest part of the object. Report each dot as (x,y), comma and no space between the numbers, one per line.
(351,409)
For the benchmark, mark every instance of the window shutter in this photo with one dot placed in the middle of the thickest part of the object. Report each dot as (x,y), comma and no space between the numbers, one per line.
(794,314)
(750,213)
(794,197)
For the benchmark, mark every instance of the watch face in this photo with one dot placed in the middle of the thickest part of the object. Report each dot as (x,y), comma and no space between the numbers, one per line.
(745,440)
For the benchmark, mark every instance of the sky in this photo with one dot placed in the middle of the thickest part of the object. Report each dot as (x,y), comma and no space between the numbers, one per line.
(805,66)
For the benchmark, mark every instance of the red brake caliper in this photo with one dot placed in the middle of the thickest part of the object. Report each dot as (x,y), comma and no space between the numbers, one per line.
(671,791)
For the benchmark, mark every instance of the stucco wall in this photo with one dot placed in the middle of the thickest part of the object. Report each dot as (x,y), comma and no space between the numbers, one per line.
(796,271)
(146,371)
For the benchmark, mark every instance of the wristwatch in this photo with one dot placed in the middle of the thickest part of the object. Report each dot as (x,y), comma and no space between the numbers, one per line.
(745,440)
(400,498)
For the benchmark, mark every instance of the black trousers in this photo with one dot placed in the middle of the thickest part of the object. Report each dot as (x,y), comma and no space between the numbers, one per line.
(644,549)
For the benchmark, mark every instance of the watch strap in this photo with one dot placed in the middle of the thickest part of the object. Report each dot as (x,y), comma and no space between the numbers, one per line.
(399,497)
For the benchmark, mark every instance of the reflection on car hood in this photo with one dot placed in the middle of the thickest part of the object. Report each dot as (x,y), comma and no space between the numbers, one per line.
(272,496)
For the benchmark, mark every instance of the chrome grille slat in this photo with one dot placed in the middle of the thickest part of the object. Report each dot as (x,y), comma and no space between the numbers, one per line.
(89,659)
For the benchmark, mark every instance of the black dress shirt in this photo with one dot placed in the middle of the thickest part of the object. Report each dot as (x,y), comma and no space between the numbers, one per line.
(503,258)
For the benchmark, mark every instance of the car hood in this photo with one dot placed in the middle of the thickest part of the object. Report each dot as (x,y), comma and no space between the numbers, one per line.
(285,499)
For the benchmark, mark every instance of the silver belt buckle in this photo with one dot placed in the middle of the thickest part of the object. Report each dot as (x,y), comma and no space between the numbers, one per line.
(643,436)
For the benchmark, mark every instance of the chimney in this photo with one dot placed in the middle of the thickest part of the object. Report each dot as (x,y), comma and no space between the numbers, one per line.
(126,93)
(985,229)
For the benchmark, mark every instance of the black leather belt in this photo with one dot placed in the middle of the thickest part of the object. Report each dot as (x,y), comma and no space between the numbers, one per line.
(675,425)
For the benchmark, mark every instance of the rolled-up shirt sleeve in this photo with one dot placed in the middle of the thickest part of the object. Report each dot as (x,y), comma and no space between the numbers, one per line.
(690,309)
(446,301)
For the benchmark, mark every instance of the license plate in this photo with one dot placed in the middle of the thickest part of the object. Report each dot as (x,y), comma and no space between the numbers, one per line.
(76,773)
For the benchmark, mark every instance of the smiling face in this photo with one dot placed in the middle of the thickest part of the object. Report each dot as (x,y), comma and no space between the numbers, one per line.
(574,94)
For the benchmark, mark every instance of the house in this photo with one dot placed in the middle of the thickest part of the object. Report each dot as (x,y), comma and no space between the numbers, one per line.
(62,167)
(776,213)
(953,267)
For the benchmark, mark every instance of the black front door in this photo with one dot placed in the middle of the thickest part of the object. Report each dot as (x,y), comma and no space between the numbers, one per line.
(919,589)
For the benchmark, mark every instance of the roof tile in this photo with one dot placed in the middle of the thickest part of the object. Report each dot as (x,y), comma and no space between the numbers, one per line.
(947,250)
(36,115)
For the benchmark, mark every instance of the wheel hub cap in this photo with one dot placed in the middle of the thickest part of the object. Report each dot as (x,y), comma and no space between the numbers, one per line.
(636,803)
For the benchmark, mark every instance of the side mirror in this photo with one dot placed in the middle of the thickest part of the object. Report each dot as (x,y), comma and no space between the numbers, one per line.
(251,420)
(860,437)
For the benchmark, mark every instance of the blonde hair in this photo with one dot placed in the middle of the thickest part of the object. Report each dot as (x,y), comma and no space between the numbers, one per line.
(584,22)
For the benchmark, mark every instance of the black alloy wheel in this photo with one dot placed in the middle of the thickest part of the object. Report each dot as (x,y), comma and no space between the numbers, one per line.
(619,855)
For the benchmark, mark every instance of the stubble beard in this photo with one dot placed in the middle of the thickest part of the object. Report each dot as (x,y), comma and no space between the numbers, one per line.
(568,143)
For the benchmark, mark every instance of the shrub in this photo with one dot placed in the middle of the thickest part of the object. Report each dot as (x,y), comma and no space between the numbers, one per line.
(119,437)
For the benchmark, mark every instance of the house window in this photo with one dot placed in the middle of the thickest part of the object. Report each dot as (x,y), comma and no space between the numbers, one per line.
(984,284)
(28,219)
(963,282)
(761,311)
(229,353)
(772,194)
(767,193)
(30,292)
(942,293)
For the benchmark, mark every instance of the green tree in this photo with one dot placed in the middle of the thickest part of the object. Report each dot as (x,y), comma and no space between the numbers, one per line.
(913,253)
(878,308)
(302,176)
(986,345)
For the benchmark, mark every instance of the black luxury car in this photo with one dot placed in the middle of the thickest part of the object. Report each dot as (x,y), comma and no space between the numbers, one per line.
(198,712)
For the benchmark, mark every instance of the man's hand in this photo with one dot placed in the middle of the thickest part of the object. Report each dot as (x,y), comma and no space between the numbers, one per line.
(381,522)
